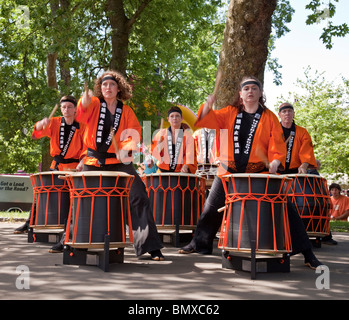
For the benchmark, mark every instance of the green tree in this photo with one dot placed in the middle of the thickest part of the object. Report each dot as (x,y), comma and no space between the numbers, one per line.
(323,108)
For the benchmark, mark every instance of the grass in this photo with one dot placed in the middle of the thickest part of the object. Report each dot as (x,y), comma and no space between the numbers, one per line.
(339,226)
(336,226)
(14,215)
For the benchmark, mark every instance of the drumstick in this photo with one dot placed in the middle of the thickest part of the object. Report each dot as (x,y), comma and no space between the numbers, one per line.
(221,209)
(53,111)
(217,83)
(86,87)
(288,139)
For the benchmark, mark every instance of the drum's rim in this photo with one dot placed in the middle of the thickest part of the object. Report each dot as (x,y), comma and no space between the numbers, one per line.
(175,174)
(209,164)
(98,173)
(256,175)
(52,172)
(302,175)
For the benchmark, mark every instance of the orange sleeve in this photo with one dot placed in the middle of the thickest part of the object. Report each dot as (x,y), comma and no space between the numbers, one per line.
(306,150)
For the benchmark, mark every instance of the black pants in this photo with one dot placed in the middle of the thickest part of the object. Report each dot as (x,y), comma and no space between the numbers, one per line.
(211,220)
(145,234)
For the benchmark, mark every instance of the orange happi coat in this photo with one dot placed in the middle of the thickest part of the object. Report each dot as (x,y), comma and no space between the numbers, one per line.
(268,143)
(187,154)
(76,150)
(127,136)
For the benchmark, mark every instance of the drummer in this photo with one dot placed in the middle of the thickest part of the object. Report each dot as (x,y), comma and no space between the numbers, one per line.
(111,136)
(300,156)
(253,143)
(173,147)
(66,144)
(300,153)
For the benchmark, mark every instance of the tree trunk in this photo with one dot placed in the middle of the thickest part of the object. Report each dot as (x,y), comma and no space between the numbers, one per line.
(121,27)
(245,45)
(120,35)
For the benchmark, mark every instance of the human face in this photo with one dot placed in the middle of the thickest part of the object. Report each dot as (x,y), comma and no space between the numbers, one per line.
(110,89)
(335,192)
(250,93)
(175,120)
(68,109)
(286,117)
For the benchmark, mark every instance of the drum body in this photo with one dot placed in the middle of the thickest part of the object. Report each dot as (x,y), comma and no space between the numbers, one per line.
(255,210)
(310,195)
(99,207)
(176,198)
(51,200)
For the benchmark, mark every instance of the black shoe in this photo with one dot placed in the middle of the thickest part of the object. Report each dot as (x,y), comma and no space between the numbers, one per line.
(57,248)
(312,263)
(187,249)
(22,229)
(156,255)
(330,242)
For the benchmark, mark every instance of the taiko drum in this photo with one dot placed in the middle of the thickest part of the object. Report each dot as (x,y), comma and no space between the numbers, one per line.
(51,200)
(176,198)
(255,210)
(99,207)
(310,195)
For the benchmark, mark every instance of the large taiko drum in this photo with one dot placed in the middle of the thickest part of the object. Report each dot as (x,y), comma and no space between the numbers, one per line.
(176,198)
(51,200)
(256,209)
(207,171)
(99,207)
(309,193)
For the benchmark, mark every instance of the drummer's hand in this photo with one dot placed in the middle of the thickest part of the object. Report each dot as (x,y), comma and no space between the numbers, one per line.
(185,169)
(273,166)
(80,166)
(303,168)
(211,99)
(42,124)
(86,98)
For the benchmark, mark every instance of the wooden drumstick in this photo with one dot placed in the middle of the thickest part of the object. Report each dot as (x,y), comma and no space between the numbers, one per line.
(86,87)
(53,111)
(218,81)
(221,209)
(217,84)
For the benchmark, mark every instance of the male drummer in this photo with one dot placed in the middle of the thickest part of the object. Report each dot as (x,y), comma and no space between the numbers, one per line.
(300,153)
(173,147)
(66,145)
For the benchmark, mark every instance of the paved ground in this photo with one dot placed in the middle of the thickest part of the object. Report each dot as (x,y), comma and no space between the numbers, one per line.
(182,277)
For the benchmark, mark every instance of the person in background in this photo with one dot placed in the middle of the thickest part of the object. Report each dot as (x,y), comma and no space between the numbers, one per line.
(300,152)
(174,147)
(340,203)
(66,145)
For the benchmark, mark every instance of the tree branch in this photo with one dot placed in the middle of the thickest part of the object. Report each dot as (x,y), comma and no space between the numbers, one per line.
(139,11)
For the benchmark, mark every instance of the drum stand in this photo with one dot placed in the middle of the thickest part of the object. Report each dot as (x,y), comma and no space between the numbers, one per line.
(174,236)
(253,263)
(99,256)
(46,235)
